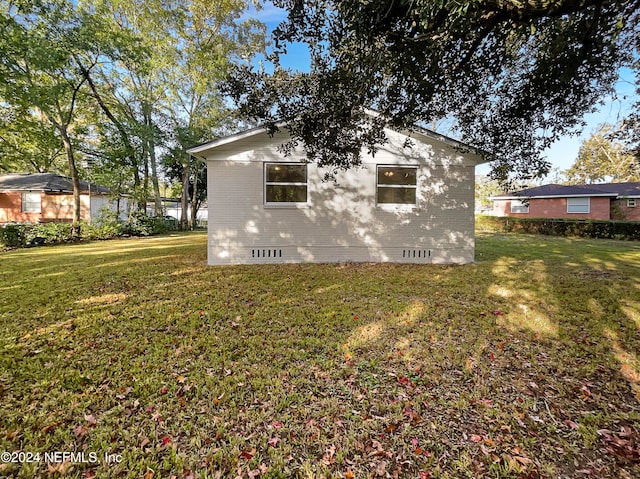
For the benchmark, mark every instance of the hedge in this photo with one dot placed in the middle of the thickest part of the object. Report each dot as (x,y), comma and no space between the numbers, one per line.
(19,235)
(609,229)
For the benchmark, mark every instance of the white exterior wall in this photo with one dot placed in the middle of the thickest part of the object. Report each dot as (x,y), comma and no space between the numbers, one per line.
(100,201)
(341,221)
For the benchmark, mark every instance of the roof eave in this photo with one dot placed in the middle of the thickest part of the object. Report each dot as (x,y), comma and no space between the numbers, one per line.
(540,197)
(197,150)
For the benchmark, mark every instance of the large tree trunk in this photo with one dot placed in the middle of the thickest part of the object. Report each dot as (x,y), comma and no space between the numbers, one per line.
(194,201)
(136,185)
(151,152)
(154,180)
(145,179)
(75,180)
(185,196)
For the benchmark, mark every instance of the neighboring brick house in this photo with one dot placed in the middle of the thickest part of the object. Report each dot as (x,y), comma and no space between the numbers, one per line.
(604,201)
(47,197)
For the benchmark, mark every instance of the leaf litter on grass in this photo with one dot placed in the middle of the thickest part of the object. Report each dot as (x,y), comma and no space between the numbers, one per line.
(512,367)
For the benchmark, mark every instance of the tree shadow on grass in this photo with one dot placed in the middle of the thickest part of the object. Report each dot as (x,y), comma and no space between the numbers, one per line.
(516,365)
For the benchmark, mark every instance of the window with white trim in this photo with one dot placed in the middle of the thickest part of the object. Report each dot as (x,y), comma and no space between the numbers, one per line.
(397,185)
(518,206)
(578,205)
(285,183)
(31,202)
(632,202)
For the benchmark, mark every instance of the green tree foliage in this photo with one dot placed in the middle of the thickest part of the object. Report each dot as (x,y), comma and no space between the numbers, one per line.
(513,76)
(113,81)
(485,188)
(214,39)
(37,48)
(601,159)
(628,132)
(27,143)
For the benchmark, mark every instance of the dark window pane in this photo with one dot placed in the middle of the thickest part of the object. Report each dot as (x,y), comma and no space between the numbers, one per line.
(393,175)
(286,194)
(405,196)
(281,173)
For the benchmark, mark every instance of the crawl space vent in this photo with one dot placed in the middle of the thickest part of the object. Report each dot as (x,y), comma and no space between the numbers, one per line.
(416,253)
(266,253)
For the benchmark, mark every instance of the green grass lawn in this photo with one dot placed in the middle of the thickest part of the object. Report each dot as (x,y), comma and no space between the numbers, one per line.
(525,364)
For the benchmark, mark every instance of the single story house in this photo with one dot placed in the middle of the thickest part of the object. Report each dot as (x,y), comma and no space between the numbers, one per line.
(603,201)
(47,197)
(406,204)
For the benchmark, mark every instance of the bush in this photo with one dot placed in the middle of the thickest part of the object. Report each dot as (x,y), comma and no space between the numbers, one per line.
(13,235)
(106,226)
(50,232)
(20,235)
(142,224)
(109,225)
(629,230)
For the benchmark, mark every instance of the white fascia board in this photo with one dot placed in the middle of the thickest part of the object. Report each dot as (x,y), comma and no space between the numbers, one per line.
(225,140)
(210,145)
(432,135)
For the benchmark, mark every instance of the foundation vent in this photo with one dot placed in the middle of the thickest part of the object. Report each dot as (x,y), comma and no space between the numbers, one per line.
(266,253)
(416,253)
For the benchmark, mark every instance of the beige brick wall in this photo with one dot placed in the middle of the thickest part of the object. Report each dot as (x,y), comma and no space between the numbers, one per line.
(341,221)
(599,209)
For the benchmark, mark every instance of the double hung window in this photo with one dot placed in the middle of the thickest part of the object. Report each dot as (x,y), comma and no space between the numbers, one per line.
(31,202)
(397,185)
(517,206)
(285,183)
(578,205)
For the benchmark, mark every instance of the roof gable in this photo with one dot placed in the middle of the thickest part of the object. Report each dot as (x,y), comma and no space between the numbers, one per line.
(237,141)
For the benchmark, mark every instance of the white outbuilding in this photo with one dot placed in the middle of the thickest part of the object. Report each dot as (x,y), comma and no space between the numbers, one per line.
(405,204)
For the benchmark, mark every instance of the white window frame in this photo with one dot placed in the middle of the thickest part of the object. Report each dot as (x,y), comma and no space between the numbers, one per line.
(571,208)
(518,207)
(285,183)
(632,202)
(31,205)
(378,186)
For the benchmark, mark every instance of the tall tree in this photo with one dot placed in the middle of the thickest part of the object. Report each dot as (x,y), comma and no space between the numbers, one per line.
(167,91)
(513,76)
(37,45)
(27,142)
(602,159)
(628,132)
(214,38)
(126,85)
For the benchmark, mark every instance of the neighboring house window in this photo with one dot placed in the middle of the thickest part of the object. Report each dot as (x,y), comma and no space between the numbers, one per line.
(517,206)
(578,205)
(31,202)
(397,184)
(631,202)
(285,183)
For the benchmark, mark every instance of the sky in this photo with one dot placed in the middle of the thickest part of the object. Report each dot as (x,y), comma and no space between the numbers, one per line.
(561,154)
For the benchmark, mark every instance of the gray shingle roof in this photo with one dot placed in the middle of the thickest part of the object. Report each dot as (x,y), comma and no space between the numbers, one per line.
(552,190)
(622,189)
(49,182)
